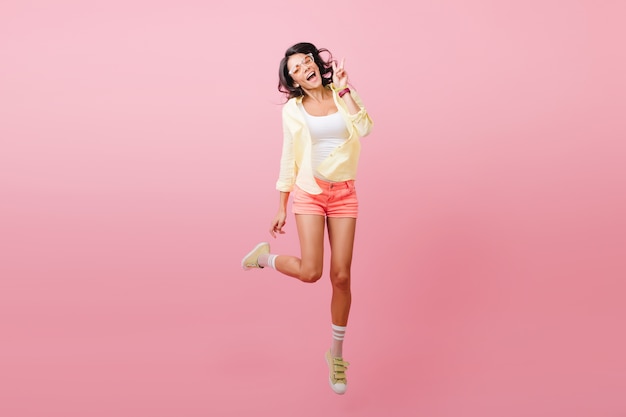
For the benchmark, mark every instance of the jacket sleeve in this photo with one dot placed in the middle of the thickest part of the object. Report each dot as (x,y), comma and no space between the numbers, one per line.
(288,170)
(361,120)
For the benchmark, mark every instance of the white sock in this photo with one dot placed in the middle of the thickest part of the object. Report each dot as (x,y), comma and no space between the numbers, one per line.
(336,349)
(267,259)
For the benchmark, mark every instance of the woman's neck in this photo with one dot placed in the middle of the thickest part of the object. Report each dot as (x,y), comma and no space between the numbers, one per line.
(319,94)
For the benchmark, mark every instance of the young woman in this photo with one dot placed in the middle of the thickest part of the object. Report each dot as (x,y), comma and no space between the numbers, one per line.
(323,120)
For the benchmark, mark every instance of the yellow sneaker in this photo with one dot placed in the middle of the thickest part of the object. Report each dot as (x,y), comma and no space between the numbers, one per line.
(337,373)
(251,260)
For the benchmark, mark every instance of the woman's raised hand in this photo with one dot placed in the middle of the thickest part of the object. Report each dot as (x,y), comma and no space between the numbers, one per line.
(340,76)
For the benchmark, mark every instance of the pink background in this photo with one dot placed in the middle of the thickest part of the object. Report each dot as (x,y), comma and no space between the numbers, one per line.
(139,148)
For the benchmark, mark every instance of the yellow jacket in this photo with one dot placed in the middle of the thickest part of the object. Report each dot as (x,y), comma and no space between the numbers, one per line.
(295,162)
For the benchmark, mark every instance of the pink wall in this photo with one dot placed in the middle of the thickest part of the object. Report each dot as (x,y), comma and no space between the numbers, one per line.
(139,146)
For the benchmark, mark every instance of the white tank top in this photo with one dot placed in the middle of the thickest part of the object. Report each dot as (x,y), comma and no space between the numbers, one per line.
(327,132)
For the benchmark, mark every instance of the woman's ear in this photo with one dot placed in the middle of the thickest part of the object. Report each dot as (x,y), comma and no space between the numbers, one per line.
(296,85)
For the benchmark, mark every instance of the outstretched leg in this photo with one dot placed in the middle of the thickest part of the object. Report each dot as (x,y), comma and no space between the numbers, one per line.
(341,231)
(341,235)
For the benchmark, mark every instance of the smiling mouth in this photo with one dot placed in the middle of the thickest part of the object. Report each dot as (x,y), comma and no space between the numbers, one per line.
(311,75)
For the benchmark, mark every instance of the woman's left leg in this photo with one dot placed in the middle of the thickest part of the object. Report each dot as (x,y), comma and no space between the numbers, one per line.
(341,235)
(341,231)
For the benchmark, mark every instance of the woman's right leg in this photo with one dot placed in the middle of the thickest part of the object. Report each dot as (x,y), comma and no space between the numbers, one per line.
(307,268)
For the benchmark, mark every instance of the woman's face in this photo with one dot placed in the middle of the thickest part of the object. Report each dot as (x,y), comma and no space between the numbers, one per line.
(304,71)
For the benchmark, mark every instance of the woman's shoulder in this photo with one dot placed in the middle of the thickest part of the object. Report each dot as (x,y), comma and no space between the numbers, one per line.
(291,105)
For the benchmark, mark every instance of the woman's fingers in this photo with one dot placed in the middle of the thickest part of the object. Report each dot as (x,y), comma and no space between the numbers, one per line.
(339,71)
(277,227)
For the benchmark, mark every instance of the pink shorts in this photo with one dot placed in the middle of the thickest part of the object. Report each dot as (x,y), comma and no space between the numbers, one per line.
(338,199)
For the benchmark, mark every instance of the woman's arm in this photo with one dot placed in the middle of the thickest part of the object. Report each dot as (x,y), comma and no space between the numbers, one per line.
(287,173)
(360,119)
(351,104)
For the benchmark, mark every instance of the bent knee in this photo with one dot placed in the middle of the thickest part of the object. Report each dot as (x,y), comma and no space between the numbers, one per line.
(310,275)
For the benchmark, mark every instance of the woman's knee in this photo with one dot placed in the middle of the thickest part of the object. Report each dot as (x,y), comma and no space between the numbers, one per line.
(340,279)
(310,275)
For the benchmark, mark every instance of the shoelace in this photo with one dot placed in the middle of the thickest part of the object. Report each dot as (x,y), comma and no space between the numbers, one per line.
(339,370)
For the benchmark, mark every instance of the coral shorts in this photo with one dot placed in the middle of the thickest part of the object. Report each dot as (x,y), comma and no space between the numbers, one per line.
(338,199)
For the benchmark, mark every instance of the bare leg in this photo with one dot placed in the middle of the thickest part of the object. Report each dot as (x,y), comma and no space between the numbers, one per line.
(307,268)
(341,232)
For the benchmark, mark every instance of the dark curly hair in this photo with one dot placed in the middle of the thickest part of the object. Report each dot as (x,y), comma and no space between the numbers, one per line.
(285,82)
